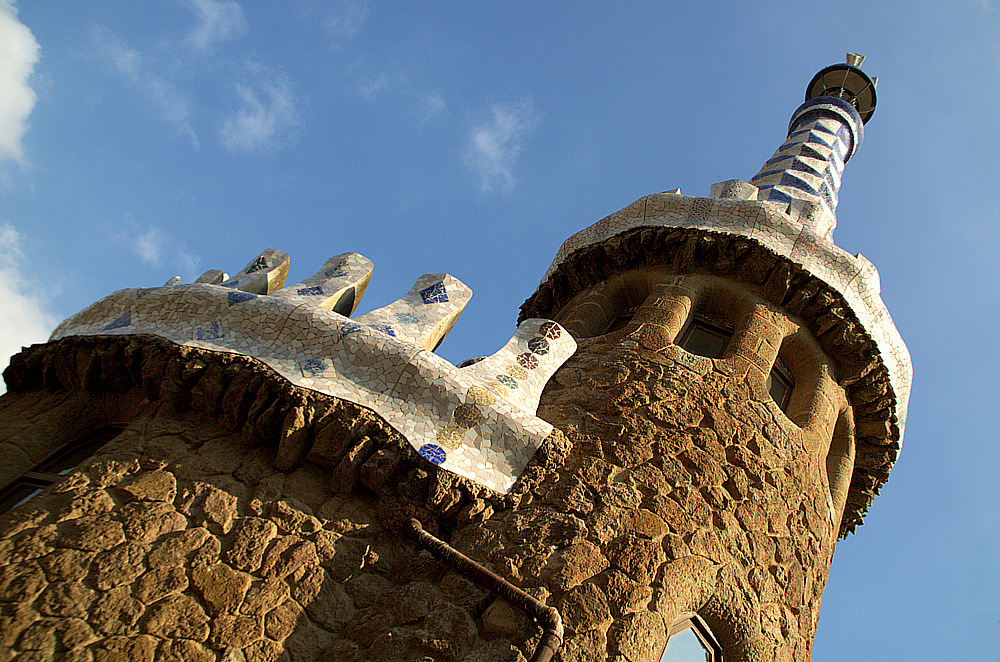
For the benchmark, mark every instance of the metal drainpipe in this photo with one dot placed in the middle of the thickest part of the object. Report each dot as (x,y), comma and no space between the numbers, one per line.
(546,617)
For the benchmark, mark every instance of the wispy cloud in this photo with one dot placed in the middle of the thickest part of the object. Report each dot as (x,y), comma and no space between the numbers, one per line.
(156,248)
(171,103)
(494,147)
(149,245)
(218,21)
(266,114)
(18,56)
(26,317)
(432,104)
(342,20)
(372,88)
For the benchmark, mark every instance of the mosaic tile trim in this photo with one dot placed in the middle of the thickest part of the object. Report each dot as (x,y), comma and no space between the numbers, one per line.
(478,422)
(770,224)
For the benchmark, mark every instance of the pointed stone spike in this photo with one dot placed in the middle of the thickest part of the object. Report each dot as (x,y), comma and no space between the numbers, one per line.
(338,286)
(212,277)
(520,370)
(426,314)
(176,280)
(262,275)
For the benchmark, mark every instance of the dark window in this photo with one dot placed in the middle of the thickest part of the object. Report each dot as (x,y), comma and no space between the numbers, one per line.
(54,467)
(620,322)
(705,338)
(780,384)
(691,641)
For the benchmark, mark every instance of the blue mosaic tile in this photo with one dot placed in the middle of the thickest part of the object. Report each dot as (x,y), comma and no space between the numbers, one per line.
(408,318)
(384,328)
(239,297)
(207,331)
(336,272)
(350,329)
(433,453)
(125,319)
(314,367)
(258,264)
(310,291)
(434,294)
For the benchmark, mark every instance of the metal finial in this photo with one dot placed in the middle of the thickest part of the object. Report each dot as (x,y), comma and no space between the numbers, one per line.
(855,59)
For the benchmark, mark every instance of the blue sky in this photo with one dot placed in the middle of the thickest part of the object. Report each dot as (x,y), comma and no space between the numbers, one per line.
(139,140)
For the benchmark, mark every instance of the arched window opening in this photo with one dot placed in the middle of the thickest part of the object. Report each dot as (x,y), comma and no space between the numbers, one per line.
(706,336)
(780,384)
(53,468)
(691,641)
(622,320)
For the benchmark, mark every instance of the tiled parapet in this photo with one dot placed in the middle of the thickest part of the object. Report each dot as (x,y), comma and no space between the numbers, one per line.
(478,422)
(775,226)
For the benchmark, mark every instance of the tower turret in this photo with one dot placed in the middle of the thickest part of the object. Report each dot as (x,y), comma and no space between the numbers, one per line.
(823,134)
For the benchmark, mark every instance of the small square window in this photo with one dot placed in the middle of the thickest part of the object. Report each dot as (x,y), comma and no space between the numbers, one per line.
(705,339)
(779,384)
(622,320)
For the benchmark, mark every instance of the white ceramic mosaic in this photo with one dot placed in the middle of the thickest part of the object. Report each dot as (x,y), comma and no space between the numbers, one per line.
(785,229)
(478,421)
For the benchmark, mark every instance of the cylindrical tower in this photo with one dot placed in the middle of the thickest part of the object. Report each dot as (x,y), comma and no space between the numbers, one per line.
(738,382)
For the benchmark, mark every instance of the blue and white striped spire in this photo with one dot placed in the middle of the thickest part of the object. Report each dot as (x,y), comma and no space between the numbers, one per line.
(823,135)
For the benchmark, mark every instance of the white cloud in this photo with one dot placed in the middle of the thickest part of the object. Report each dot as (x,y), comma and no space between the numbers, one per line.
(343,19)
(266,115)
(18,56)
(188,262)
(494,147)
(432,104)
(218,21)
(169,101)
(25,318)
(149,246)
(371,89)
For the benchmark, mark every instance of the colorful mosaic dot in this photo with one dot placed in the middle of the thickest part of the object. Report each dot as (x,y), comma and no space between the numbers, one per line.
(481,396)
(433,453)
(309,291)
(313,367)
(467,416)
(384,328)
(449,437)
(516,371)
(507,381)
(528,361)
(539,345)
(550,330)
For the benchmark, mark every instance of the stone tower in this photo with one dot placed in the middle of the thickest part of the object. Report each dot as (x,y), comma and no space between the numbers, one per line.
(702,396)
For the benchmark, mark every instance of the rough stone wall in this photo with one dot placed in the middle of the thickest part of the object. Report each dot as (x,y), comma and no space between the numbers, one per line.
(239,518)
